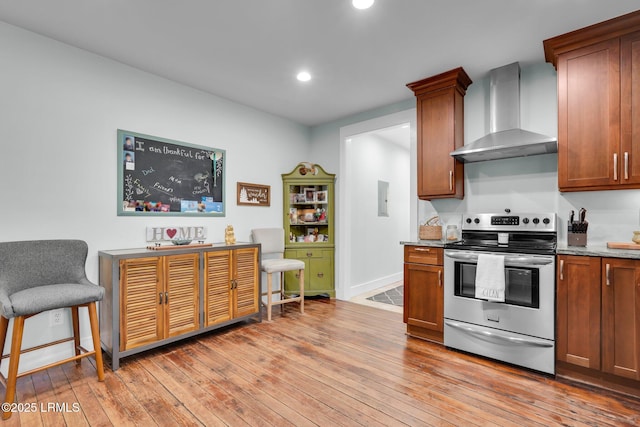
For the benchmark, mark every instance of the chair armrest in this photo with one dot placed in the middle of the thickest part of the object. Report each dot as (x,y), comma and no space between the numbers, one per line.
(7,308)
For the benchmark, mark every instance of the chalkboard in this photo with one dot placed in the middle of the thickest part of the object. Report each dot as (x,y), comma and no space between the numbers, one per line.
(158,176)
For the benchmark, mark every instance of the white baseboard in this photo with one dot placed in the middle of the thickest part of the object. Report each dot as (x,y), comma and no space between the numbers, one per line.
(374,285)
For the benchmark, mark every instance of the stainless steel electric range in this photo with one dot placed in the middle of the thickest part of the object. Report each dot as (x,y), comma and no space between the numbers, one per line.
(518,326)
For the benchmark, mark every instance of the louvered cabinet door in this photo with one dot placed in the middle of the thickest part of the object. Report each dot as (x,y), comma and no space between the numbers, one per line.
(246,298)
(140,305)
(181,294)
(217,287)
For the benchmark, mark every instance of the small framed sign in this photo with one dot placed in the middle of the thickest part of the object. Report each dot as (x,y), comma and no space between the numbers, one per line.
(254,194)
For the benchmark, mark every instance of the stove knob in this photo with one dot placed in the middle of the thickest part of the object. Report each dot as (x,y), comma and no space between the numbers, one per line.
(477,221)
(525,220)
(536,220)
(468,220)
(546,221)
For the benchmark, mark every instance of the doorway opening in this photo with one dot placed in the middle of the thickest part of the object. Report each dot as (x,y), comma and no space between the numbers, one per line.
(370,256)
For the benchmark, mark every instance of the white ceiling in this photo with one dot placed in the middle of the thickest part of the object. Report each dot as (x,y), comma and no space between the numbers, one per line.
(249,51)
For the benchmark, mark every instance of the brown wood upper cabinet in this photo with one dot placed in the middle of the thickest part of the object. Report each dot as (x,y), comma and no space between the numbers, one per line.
(598,105)
(440,105)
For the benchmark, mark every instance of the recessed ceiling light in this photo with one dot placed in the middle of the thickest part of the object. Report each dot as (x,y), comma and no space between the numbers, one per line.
(303,76)
(362,4)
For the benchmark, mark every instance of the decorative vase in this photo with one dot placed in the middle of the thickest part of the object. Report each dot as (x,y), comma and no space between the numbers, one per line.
(636,237)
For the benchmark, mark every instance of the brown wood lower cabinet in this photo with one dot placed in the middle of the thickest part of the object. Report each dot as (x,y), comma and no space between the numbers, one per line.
(153,298)
(621,317)
(598,321)
(578,311)
(423,292)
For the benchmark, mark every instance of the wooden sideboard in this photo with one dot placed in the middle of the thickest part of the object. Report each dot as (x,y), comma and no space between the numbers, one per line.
(155,298)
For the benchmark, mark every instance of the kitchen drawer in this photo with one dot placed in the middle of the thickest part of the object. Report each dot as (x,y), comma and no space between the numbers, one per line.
(423,255)
(310,253)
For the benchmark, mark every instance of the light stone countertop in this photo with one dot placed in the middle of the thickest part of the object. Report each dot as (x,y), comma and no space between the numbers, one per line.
(431,243)
(598,249)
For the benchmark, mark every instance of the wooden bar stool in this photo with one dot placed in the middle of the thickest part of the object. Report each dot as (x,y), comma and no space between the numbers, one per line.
(272,242)
(42,275)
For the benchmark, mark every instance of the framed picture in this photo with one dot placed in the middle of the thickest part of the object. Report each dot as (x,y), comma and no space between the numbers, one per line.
(300,198)
(309,194)
(254,194)
(321,196)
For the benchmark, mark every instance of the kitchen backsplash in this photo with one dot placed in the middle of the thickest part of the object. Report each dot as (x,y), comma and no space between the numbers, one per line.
(530,185)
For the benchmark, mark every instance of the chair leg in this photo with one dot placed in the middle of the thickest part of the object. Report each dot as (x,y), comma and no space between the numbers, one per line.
(282,295)
(301,284)
(4,326)
(269,285)
(14,359)
(76,331)
(95,334)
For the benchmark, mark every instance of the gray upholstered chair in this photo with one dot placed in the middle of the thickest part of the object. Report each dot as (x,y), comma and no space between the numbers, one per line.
(41,275)
(272,245)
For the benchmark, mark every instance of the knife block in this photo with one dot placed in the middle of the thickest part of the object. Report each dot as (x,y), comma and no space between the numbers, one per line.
(576,239)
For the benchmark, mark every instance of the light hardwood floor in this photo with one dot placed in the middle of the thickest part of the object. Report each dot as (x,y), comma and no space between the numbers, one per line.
(338,364)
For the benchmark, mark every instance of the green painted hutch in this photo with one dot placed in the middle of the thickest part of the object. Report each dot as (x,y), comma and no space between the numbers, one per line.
(309,209)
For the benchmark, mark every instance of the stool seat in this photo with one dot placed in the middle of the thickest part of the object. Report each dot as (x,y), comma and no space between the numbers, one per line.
(278,265)
(272,244)
(50,297)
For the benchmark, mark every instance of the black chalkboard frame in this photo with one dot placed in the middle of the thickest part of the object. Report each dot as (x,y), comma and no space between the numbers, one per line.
(163,177)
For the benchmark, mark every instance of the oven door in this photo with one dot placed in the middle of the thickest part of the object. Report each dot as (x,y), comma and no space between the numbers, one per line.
(522,282)
(529,293)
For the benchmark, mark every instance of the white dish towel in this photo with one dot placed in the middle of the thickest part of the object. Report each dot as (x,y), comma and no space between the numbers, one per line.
(490,277)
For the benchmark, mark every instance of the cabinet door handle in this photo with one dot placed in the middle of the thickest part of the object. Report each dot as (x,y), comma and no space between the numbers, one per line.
(561,269)
(422,249)
(309,254)
(626,165)
(450,180)
(159,297)
(615,166)
(440,278)
(166,297)
(607,270)
(321,275)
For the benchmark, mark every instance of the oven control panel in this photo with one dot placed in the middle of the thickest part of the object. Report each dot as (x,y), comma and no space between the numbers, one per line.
(509,222)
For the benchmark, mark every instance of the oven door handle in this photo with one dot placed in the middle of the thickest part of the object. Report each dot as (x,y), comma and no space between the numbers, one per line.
(507,259)
(497,337)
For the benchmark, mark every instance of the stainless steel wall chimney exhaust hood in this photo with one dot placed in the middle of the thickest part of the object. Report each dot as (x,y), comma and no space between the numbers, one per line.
(506,139)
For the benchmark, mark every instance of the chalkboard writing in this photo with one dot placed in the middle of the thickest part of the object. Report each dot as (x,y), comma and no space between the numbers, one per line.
(163,177)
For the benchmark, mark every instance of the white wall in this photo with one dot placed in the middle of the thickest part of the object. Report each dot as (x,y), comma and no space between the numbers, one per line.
(60,108)
(376,257)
